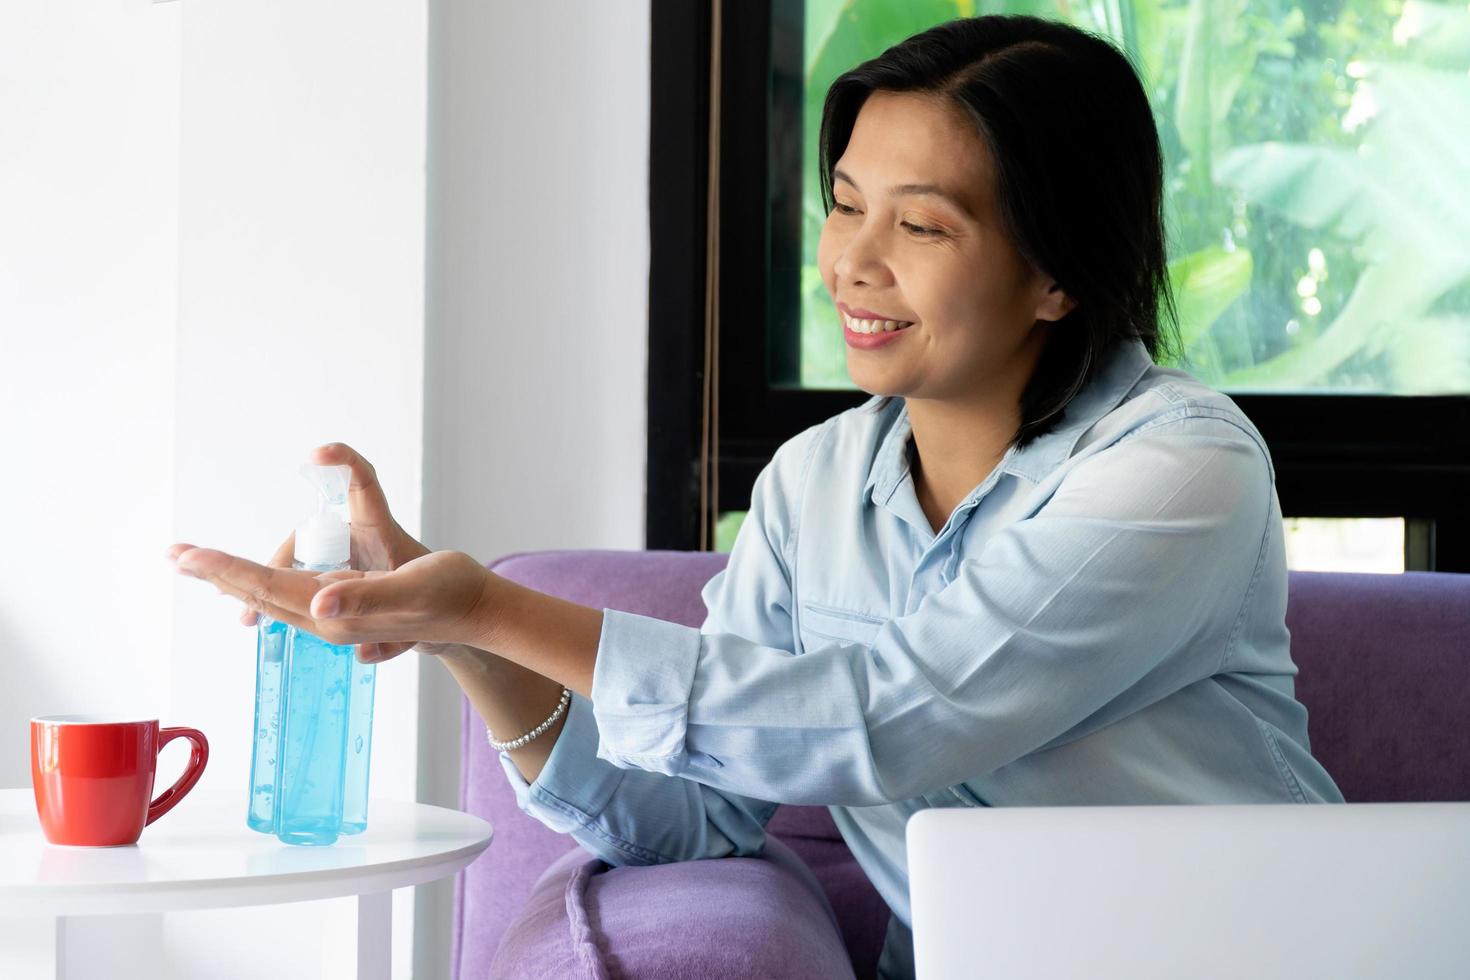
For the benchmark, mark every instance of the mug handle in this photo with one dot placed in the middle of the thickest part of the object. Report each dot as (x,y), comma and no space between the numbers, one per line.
(171,796)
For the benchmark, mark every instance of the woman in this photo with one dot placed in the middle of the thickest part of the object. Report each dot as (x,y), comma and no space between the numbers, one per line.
(1036,568)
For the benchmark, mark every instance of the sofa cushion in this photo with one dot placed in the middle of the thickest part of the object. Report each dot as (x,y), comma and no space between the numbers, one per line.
(753,917)
(490,893)
(1383,663)
(492,890)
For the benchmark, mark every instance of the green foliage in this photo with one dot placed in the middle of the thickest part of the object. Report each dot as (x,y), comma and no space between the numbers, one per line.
(1206,284)
(1317,154)
(840,34)
(726,528)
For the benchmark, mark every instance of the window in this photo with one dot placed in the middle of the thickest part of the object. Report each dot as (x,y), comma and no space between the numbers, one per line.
(1320,248)
(1361,544)
(1308,168)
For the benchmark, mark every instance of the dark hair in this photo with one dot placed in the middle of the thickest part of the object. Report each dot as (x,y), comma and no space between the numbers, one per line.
(1079,177)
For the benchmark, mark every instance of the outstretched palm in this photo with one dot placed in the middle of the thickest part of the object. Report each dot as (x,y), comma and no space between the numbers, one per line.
(378,543)
(439,597)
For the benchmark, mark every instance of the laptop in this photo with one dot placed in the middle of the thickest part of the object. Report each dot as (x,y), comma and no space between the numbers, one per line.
(1266,891)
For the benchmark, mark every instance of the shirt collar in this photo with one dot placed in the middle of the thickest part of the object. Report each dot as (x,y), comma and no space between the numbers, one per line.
(1124,363)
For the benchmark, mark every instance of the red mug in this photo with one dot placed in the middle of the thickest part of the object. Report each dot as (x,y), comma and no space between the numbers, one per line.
(93,776)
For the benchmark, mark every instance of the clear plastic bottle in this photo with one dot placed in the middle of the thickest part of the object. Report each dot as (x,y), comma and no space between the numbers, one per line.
(313,756)
(359,747)
(270,657)
(314,703)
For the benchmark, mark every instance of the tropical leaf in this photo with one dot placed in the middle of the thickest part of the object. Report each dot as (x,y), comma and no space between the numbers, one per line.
(821,21)
(1400,198)
(1430,355)
(1146,49)
(1323,187)
(1386,295)
(1391,212)
(1215,60)
(1421,138)
(1437,34)
(1205,285)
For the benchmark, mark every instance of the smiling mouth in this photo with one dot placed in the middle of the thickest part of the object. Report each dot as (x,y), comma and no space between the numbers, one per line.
(857,325)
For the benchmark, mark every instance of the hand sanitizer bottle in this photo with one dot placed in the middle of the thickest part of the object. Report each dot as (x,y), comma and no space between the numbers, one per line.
(270,646)
(359,747)
(314,725)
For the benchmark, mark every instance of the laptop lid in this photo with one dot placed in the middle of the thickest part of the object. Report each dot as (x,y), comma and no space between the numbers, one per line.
(1268,891)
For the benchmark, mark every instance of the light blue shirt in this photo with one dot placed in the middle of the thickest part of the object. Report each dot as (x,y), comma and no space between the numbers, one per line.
(1100,621)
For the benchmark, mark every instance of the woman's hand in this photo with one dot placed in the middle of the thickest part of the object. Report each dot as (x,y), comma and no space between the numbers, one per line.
(441,597)
(378,543)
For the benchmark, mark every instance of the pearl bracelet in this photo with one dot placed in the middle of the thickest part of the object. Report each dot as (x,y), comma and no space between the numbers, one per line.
(515,743)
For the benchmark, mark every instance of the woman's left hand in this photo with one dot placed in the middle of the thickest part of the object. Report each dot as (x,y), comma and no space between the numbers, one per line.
(440,597)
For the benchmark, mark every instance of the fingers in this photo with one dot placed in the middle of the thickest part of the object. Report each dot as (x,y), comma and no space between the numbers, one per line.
(287,594)
(365,498)
(373,653)
(355,594)
(282,594)
(283,558)
(249,616)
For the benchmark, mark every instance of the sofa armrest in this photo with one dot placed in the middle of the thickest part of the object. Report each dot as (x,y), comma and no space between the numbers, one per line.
(713,919)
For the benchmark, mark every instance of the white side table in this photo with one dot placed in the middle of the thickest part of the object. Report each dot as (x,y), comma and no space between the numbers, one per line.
(108,901)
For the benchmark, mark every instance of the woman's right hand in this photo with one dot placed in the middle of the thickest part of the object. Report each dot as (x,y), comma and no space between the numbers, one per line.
(378,543)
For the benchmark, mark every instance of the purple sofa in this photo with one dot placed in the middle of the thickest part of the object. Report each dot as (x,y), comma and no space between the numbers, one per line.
(1385,676)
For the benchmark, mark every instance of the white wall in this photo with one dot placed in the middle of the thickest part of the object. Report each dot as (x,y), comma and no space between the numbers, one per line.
(537,349)
(214,257)
(204,203)
(89,134)
(538,285)
(300,322)
(89,140)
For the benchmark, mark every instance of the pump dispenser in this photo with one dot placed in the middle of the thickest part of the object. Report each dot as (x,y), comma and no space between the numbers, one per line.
(325,538)
(314,700)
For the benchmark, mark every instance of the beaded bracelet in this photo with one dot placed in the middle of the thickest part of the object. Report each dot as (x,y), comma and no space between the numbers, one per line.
(515,743)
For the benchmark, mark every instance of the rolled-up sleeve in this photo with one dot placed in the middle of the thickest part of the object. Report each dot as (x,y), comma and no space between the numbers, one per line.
(1125,587)
(631,815)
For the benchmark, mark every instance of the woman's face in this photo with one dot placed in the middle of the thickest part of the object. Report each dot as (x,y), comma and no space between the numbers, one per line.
(936,258)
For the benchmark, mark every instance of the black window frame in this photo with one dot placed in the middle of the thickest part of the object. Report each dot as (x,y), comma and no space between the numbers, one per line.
(1335,455)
